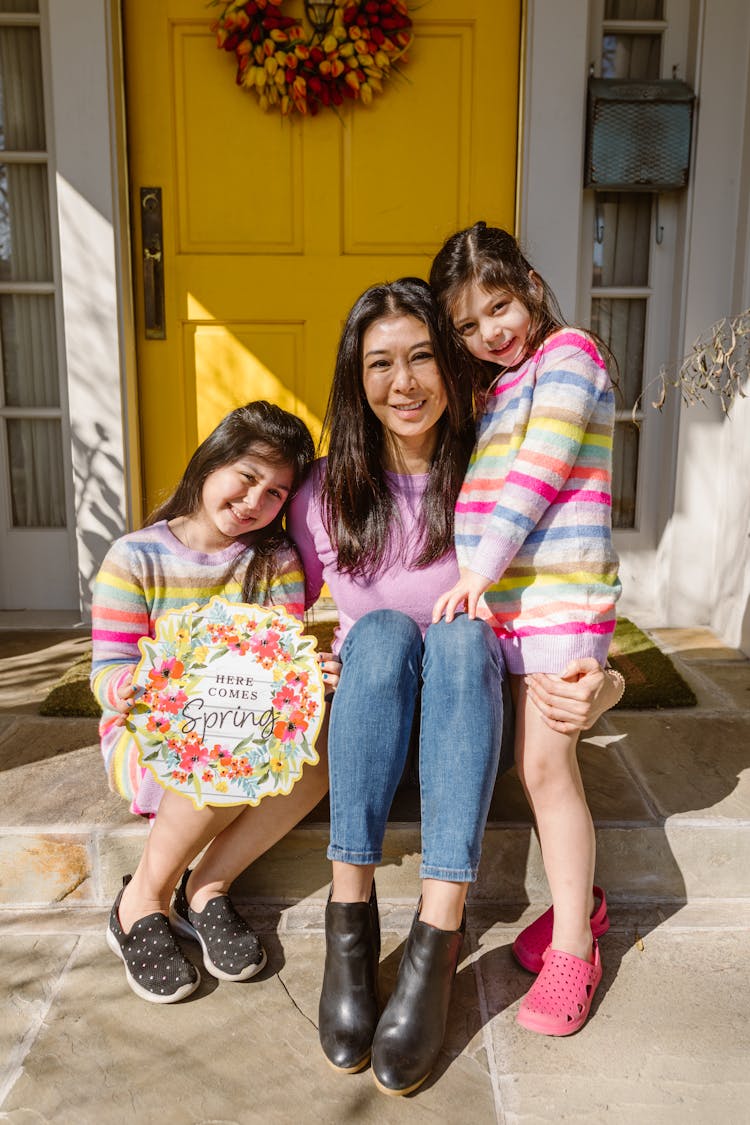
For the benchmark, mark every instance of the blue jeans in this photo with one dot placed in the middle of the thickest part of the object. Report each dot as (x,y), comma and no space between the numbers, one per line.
(460,670)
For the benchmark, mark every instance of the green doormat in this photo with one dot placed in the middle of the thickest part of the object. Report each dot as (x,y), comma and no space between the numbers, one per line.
(71,695)
(651,679)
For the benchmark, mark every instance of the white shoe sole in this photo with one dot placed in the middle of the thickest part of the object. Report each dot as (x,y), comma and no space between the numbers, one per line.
(139,990)
(181,926)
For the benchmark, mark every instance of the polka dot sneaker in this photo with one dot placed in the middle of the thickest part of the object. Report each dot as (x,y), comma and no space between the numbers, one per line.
(154,966)
(231,951)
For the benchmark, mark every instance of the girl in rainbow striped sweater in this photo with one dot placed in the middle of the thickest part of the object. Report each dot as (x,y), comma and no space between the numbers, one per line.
(221,532)
(534,545)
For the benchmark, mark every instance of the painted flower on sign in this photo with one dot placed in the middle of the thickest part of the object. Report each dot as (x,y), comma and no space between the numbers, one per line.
(246,674)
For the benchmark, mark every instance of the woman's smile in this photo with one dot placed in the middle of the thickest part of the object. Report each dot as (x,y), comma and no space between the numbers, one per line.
(404,389)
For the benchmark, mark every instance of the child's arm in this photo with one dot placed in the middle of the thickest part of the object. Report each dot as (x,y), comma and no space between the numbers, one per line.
(302,519)
(469,589)
(120,617)
(572,405)
(287,588)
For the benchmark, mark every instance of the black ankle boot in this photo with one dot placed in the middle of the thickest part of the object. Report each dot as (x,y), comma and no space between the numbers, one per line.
(412,1027)
(348,1011)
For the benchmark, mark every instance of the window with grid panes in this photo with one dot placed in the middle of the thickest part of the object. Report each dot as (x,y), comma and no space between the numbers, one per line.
(631,47)
(30,407)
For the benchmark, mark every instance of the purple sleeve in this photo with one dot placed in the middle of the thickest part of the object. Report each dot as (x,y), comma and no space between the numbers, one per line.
(302,521)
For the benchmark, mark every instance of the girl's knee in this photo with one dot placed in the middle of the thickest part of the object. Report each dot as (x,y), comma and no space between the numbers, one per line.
(545,777)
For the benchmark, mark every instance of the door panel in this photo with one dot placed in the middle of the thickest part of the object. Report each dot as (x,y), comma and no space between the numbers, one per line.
(273,226)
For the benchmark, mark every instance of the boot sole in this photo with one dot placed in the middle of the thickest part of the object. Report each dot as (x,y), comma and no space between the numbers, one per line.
(400,1093)
(349,1069)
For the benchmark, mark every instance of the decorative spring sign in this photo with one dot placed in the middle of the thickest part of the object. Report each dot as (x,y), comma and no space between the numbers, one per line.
(229,702)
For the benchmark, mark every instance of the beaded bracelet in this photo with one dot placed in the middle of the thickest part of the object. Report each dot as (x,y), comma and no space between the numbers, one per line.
(620,681)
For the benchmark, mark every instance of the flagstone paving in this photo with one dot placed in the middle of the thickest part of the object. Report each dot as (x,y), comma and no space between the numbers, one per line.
(669,1037)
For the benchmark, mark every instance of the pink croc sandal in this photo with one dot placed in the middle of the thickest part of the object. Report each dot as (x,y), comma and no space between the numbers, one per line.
(529,946)
(559,1000)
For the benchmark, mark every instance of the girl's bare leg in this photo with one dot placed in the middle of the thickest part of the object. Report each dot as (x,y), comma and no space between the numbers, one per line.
(240,834)
(548,768)
(255,831)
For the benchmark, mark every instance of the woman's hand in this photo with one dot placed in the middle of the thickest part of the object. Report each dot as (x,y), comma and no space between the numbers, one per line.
(124,698)
(330,666)
(468,589)
(577,698)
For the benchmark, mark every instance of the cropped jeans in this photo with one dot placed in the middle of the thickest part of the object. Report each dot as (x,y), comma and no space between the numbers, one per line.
(460,670)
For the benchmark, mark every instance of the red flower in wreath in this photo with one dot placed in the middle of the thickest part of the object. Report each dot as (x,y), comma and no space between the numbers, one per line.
(347,57)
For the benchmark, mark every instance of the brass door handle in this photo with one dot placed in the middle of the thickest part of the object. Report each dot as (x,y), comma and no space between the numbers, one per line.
(153,264)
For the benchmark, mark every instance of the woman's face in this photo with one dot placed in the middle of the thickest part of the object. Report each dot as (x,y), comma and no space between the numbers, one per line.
(404,389)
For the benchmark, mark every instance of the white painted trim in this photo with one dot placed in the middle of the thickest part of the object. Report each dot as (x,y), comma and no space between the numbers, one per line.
(89,216)
(553,140)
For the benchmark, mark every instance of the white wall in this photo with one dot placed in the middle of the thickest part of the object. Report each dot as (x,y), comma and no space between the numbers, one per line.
(553,143)
(708,569)
(88,214)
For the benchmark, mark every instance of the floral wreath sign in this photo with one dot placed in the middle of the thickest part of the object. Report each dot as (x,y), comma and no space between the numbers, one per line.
(228,703)
(353,47)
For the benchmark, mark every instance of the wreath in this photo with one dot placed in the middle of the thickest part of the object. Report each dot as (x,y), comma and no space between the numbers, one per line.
(353,47)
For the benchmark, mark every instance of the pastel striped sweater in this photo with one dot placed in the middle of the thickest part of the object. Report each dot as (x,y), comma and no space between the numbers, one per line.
(143,575)
(534,512)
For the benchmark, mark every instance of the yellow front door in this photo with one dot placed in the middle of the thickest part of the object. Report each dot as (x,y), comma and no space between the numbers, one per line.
(272,226)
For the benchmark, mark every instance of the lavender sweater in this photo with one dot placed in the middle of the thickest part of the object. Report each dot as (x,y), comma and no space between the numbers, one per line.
(398,585)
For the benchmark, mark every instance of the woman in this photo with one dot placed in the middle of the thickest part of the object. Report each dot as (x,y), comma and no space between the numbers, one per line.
(375,522)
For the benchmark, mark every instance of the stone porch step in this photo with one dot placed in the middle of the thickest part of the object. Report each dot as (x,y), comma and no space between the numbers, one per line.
(669,791)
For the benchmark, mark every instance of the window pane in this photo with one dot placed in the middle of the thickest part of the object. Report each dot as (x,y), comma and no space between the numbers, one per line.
(624,227)
(622,325)
(25,249)
(21,102)
(634,9)
(624,474)
(29,350)
(36,472)
(631,56)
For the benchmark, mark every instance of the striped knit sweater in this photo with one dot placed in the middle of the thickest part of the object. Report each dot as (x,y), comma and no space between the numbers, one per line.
(143,575)
(534,512)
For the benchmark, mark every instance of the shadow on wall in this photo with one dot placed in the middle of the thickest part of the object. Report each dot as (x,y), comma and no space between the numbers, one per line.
(92,346)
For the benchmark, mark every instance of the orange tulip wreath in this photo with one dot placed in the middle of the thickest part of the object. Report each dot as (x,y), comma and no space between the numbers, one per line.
(354,45)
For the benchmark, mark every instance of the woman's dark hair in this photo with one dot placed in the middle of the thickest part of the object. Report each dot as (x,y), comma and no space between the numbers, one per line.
(491,258)
(272,435)
(358,509)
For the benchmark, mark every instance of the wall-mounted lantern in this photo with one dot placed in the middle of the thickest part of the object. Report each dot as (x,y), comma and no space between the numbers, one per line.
(638,134)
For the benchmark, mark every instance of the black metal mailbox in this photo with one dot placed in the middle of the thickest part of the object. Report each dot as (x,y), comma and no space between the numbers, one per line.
(638,134)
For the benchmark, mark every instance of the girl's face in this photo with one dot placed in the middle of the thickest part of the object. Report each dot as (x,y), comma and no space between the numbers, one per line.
(404,388)
(493,325)
(244,496)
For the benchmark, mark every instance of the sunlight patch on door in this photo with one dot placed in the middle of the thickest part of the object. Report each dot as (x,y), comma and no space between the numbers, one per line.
(238,362)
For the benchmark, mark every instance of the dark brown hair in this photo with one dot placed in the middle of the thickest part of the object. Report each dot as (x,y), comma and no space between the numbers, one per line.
(358,509)
(491,258)
(272,435)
